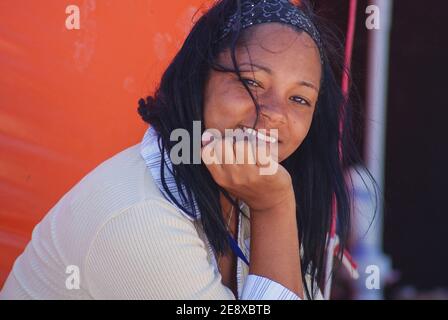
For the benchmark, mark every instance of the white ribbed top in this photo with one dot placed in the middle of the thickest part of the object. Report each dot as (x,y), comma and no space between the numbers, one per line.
(126,240)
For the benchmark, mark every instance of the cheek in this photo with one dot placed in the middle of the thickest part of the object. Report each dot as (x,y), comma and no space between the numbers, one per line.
(299,128)
(225,105)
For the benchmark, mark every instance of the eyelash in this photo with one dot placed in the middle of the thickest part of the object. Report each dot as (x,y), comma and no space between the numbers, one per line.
(306,103)
(251,82)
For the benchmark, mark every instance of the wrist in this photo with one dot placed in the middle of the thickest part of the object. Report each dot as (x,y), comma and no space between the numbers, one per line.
(285,203)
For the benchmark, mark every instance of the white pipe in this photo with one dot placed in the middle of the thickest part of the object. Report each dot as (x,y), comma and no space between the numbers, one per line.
(368,249)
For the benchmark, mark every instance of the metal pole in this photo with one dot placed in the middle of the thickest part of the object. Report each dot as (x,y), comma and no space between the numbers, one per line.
(368,249)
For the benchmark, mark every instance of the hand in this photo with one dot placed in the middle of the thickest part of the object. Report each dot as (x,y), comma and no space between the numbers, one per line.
(236,165)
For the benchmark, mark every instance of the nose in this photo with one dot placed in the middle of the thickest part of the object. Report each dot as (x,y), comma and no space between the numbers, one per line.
(273,114)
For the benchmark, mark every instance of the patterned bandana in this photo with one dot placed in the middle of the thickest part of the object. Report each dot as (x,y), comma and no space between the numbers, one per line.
(255,12)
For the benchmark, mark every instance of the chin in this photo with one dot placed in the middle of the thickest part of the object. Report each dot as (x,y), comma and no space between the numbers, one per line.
(282,157)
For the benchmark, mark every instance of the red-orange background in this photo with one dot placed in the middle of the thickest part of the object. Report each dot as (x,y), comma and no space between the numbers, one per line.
(68,98)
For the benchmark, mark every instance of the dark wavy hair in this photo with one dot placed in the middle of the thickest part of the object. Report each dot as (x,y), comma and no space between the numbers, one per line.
(315,167)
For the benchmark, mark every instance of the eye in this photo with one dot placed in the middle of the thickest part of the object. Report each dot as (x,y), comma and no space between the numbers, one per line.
(251,82)
(300,100)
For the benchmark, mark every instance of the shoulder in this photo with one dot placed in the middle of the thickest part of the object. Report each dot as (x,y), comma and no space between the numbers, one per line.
(125,171)
(117,197)
(120,202)
(117,183)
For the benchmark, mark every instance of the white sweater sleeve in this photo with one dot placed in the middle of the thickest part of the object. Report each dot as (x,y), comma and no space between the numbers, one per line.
(150,251)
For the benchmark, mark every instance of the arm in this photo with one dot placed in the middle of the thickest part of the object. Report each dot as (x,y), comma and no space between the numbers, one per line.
(274,236)
(275,246)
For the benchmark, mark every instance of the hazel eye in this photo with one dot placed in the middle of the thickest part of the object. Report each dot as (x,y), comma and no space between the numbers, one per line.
(300,100)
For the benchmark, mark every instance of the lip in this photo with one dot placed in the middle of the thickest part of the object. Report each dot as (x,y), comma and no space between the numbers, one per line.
(268,132)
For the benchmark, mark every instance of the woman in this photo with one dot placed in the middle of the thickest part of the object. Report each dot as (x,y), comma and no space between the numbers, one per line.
(143,226)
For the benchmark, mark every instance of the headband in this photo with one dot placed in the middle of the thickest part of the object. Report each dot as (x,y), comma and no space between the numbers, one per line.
(255,12)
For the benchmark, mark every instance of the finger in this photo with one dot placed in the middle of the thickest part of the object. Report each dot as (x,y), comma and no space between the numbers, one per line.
(252,142)
(267,155)
(242,148)
(228,150)
(209,138)
(208,153)
(209,135)
(263,152)
(213,164)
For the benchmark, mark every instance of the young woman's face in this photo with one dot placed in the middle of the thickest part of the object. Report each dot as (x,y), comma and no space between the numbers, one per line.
(282,68)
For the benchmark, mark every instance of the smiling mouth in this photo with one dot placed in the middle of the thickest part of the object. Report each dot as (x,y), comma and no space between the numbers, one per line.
(265,137)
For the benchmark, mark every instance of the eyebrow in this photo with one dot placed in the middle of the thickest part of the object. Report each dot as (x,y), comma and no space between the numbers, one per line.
(303,83)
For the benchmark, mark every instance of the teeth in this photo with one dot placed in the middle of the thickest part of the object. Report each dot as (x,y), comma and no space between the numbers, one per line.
(259,135)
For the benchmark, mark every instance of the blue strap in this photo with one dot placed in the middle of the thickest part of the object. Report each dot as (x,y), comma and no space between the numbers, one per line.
(236,249)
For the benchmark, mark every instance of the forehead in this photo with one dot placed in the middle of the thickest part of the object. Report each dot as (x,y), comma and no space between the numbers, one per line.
(279,46)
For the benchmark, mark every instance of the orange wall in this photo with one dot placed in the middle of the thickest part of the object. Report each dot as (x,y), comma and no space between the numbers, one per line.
(68,98)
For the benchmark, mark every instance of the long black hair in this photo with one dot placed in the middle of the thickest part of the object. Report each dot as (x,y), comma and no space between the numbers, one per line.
(315,167)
